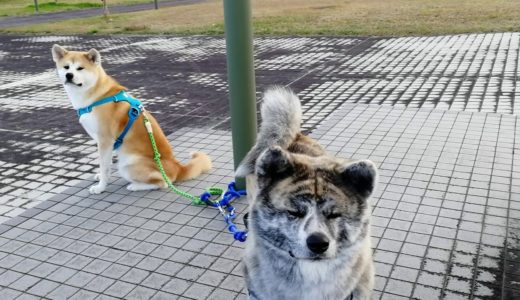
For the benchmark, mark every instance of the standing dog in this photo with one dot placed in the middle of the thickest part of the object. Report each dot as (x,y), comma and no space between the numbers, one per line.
(86,82)
(309,223)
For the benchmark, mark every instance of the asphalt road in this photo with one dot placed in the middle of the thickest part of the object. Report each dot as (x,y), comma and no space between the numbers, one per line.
(85,13)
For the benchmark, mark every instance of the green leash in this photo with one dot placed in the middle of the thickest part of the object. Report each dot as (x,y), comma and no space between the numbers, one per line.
(214,191)
(223,205)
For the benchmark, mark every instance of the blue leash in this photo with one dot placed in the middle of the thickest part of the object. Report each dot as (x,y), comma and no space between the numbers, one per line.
(227,210)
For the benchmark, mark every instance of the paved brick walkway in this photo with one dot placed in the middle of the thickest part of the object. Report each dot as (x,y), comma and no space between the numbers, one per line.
(437,114)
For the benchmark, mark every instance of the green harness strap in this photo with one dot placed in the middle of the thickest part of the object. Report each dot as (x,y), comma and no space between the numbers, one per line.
(214,191)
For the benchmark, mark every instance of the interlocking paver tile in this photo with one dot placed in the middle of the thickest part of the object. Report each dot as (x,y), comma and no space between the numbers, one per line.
(176,286)
(106,297)
(169,268)
(182,256)
(43,287)
(62,274)
(233,282)
(135,275)
(99,284)
(163,252)
(97,266)
(156,281)
(223,265)
(25,282)
(202,261)
(9,277)
(79,262)
(219,294)
(116,271)
(83,294)
(130,259)
(27,297)
(198,291)
(190,273)
(211,278)
(141,293)
(9,294)
(80,279)
(164,296)
(119,289)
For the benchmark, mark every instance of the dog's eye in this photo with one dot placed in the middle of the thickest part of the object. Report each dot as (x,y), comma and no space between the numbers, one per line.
(80,68)
(296,214)
(332,215)
(66,67)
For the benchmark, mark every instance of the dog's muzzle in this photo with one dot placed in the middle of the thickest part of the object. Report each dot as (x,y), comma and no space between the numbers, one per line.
(73,83)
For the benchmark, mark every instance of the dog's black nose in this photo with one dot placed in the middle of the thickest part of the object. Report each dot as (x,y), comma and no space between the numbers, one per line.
(69,76)
(318,243)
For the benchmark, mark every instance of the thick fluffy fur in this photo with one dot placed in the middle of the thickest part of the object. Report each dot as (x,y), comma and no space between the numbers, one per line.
(309,223)
(88,82)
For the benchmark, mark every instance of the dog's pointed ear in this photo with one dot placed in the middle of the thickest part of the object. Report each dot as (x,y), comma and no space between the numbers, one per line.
(94,56)
(274,164)
(247,165)
(58,52)
(359,177)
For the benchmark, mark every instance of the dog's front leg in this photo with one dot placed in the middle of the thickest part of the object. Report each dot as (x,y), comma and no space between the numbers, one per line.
(105,163)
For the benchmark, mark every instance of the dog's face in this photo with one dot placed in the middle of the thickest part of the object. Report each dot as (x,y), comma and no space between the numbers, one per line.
(77,70)
(311,208)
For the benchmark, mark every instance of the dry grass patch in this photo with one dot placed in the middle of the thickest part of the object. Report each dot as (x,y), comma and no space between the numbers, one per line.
(26,7)
(327,17)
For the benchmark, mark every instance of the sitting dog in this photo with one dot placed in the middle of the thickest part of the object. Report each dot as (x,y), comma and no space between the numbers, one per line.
(309,220)
(107,113)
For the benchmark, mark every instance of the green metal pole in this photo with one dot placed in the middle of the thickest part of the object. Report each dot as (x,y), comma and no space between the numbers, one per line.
(155,4)
(241,78)
(36,6)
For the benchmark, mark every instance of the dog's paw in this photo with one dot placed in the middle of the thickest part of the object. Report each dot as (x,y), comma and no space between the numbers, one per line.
(97,188)
(97,177)
(132,187)
(141,187)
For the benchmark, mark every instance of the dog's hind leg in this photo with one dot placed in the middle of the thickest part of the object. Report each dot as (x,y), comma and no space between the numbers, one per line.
(142,175)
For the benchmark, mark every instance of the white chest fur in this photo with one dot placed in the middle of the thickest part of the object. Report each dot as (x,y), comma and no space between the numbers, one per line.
(87,120)
(91,125)
(77,96)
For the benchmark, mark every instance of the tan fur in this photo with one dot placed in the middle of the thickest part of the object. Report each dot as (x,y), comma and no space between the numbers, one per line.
(112,118)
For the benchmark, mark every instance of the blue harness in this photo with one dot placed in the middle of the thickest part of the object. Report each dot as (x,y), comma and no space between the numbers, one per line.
(135,109)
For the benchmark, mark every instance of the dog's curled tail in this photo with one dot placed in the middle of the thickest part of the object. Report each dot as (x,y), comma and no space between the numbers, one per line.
(198,164)
(281,119)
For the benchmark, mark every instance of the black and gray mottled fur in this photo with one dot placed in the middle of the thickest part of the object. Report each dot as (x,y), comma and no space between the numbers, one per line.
(297,191)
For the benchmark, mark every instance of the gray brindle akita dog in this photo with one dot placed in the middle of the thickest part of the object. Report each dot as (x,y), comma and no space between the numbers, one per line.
(309,221)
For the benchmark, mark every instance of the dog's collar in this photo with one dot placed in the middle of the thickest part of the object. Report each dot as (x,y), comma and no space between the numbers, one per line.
(135,109)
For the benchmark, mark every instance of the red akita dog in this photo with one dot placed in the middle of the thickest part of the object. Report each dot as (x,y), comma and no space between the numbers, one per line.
(86,83)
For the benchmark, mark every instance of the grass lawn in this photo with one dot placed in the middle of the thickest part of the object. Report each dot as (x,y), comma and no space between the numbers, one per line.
(307,17)
(26,7)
